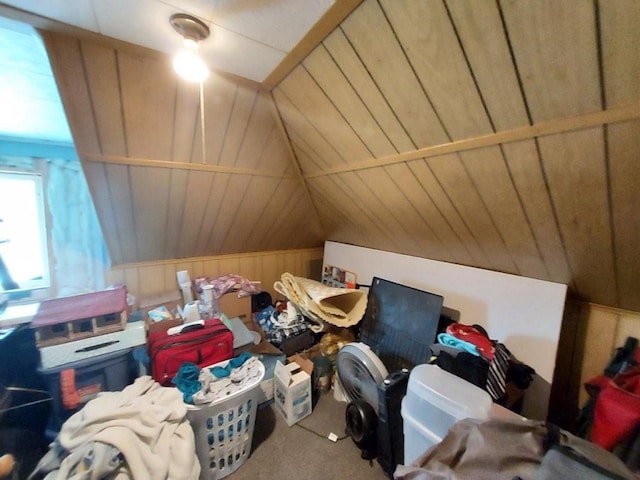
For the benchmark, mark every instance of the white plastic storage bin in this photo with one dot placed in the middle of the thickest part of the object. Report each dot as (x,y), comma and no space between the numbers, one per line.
(223,429)
(435,400)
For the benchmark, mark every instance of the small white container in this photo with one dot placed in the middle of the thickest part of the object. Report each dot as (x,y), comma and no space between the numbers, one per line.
(435,400)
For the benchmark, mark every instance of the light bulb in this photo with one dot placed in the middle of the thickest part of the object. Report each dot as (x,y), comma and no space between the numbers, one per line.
(190,66)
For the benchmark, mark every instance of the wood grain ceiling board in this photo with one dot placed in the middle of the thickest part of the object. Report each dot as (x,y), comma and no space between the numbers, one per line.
(490,176)
(232,195)
(276,155)
(96,176)
(367,193)
(118,182)
(343,198)
(338,221)
(369,33)
(622,147)
(525,168)
(187,140)
(620,60)
(459,186)
(273,209)
(305,94)
(66,63)
(149,192)
(101,70)
(420,199)
(293,225)
(194,210)
(481,33)
(346,100)
(148,88)
(253,203)
(396,205)
(355,72)
(306,157)
(243,107)
(151,209)
(334,221)
(440,196)
(260,128)
(436,57)
(575,169)
(179,179)
(556,49)
(219,102)
(296,123)
(212,198)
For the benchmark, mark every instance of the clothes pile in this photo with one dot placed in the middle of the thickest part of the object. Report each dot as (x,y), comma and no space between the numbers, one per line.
(139,432)
(282,322)
(468,352)
(207,385)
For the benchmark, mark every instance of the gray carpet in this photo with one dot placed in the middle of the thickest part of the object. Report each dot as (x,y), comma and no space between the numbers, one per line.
(302,451)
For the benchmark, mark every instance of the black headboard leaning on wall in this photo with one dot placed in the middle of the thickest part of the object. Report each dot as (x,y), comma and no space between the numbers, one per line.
(400,323)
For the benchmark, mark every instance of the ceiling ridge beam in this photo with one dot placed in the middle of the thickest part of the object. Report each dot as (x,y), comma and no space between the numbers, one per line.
(549,127)
(340,10)
(145,162)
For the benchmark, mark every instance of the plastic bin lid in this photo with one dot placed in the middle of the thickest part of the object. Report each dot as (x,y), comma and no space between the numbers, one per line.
(448,392)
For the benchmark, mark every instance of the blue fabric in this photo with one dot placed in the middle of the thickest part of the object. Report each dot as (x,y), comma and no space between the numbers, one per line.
(451,341)
(222,372)
(186,380)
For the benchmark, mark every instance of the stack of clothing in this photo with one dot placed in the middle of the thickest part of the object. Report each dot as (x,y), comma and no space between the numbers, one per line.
(468,352)
(207,385)
(140,432)
(285,327)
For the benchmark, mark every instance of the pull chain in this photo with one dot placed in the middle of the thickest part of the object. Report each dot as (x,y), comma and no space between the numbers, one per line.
(204,152)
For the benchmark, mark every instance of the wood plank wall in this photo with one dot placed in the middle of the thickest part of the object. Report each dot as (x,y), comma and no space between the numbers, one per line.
(146,279)
(497,134)
(160,191)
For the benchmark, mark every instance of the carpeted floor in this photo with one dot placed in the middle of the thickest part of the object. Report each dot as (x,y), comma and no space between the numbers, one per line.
(303,451)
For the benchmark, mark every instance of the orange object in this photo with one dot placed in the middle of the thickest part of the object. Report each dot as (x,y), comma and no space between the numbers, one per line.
(70,396)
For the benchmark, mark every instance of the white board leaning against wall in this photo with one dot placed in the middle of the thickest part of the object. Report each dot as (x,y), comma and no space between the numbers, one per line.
(523,313)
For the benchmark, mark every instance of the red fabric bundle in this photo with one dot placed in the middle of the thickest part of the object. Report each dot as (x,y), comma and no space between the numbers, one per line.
(472,335)
(617,410)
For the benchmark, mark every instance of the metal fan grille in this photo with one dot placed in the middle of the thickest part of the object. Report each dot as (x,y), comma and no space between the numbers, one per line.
(356,377)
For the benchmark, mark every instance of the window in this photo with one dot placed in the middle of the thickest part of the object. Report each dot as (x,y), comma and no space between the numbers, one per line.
(24,264)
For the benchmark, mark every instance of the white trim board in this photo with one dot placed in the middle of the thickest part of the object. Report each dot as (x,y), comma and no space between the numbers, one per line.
(523,313)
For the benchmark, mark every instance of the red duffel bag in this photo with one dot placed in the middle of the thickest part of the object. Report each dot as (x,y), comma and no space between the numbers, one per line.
(202,343)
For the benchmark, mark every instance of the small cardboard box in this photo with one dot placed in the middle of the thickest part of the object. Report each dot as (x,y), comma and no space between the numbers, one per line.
(236,304)
(292,392)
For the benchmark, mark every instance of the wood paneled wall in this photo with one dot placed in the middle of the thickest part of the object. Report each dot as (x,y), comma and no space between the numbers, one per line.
(151,278)
(497,134)
(138,132)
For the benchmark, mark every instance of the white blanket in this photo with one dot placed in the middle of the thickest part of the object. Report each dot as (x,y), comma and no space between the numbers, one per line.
(146,422)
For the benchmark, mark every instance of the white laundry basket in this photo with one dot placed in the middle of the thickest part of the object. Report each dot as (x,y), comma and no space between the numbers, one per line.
(223,429)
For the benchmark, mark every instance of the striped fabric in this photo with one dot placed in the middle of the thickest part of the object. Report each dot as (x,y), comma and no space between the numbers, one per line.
(498,367)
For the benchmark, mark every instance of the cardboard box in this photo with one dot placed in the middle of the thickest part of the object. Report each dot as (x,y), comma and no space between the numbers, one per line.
(233,305)
(170,299)
(270,360)
(292,392)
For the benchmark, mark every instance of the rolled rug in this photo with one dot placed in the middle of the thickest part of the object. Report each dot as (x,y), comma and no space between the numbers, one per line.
(342,307)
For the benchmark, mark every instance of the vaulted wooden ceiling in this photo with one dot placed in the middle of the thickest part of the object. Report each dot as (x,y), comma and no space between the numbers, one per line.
(497,134)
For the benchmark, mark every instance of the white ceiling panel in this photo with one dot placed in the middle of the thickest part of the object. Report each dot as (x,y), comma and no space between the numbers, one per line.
(73,12)
(248,38)
(277,23)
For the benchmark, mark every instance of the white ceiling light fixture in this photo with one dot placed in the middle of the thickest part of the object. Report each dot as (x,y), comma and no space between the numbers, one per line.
(187,63)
